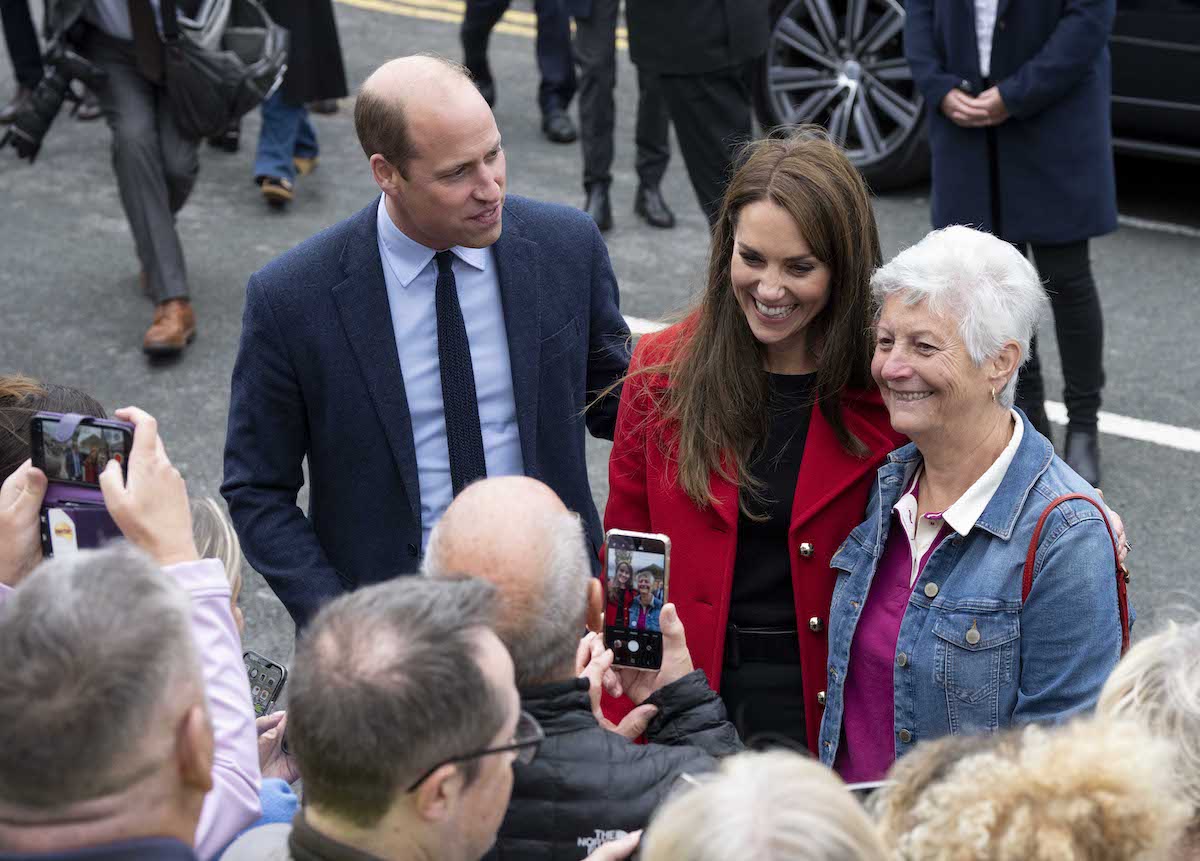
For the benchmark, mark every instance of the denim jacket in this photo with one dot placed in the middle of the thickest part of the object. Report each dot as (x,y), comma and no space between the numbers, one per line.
(1045,660)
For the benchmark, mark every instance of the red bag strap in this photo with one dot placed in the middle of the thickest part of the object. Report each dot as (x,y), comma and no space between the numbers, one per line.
(1122,572)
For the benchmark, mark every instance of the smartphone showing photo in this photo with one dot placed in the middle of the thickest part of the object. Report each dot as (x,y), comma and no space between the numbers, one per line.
(267,679)
(80,458)
(636,574)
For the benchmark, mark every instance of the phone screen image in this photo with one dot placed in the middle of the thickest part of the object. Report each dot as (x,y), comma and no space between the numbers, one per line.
(266,681)
(80,459)
(636,577)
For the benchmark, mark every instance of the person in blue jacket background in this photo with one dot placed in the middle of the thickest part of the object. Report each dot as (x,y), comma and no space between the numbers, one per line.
(1018,94)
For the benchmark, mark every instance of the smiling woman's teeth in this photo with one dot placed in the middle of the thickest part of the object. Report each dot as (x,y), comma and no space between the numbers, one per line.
(778,312)
(911,396)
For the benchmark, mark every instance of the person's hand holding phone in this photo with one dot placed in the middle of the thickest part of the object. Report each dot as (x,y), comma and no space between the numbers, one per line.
(150,506)
(20,531)
(272,759)
(593,662)
(676,660)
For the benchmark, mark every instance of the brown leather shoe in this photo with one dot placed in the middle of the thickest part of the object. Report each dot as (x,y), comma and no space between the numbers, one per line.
(174,327)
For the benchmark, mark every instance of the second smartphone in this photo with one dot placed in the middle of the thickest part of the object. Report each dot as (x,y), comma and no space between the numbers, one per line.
(636,575)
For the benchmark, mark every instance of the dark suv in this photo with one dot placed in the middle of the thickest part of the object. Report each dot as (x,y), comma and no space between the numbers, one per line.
(840,63)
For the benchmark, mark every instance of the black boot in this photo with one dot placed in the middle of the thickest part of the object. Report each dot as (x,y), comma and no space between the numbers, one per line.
(1082,454)
(598,206)
(649,204)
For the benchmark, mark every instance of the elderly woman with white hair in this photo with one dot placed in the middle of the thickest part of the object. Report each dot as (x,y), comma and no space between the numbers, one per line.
(929,631)
(774,806)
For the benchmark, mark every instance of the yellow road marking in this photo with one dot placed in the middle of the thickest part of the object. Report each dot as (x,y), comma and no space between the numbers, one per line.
(514,22)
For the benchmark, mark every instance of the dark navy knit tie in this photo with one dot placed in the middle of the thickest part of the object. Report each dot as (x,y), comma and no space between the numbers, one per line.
(458,382)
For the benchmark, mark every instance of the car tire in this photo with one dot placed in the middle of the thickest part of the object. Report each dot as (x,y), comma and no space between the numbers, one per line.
(824,69)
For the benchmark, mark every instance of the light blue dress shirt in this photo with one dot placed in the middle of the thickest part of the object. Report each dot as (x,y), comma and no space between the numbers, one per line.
(411,276)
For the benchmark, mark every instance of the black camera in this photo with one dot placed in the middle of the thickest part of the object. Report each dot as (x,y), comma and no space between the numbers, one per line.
(29,127)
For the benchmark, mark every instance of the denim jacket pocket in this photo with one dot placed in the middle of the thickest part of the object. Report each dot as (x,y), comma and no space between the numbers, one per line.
(974,657)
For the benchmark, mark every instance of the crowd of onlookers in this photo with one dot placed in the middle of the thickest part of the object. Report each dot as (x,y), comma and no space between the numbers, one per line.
(457,714)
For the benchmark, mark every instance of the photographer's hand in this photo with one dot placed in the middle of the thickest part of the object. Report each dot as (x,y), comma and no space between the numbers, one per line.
(593,662)
(151,506)
(271,757)
(20,535)
(676,660)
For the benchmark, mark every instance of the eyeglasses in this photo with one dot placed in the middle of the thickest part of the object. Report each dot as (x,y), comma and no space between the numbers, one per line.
(527,739)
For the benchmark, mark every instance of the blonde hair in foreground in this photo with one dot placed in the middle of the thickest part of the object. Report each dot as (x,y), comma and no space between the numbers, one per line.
(216,539)
(1158,684)
(776,806)
(1090,790)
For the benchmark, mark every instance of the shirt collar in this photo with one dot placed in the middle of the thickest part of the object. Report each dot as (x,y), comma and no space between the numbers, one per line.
(963,514)
(969,507)
(408,258)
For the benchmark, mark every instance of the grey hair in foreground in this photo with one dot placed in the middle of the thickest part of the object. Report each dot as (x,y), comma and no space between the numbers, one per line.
(386,685)
(94,646)
(1158,685)
(981,281)
(775,806)
(542,629)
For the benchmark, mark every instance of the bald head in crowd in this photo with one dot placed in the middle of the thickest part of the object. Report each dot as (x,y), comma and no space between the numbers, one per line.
(434,150)
(516,533)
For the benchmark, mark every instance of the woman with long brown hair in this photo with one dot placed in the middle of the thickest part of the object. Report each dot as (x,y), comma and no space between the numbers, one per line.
(750,432)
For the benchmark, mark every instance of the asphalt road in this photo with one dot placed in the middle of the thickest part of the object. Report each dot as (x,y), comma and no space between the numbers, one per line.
(71,310)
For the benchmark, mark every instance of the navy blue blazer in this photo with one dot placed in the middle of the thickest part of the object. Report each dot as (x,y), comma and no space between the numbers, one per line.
(1054,155)
(318,377)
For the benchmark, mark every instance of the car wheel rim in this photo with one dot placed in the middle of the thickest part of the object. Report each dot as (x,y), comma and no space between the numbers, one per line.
(840,64)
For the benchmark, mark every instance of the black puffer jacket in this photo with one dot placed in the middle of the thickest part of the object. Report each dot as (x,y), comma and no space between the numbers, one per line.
(589,785)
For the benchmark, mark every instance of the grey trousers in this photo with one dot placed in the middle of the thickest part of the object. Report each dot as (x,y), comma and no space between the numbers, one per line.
(156,166)
(595,49)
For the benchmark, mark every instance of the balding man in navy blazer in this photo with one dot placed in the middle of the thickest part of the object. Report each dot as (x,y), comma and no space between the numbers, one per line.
(443,333)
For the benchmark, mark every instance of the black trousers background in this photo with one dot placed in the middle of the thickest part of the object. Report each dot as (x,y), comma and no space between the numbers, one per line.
(553,47)
(711,114)
(22,41)
(595,49)
(1066,270)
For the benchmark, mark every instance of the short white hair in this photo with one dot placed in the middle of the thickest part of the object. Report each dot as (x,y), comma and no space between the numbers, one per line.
(982,282)
(1158,684)
(775,806)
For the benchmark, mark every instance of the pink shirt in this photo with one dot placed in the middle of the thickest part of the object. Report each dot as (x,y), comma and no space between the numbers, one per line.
(868,748)
(233,803)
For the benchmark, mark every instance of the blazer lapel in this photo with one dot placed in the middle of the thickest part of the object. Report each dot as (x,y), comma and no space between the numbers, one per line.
(518,274)
(825,476)
(366,317)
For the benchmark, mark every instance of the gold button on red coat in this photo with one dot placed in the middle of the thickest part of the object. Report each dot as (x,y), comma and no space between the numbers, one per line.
(806,549)
(821,699)
(816,625)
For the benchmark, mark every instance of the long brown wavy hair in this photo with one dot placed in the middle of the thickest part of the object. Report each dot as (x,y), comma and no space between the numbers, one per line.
(716,400)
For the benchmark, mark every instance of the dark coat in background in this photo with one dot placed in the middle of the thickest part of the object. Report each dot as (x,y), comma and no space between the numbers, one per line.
(315,70)
(588,784)
(1054,155)
(690,37)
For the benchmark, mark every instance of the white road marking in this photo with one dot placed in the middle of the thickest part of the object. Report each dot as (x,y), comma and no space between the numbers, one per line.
(1159,226)
(1170,436)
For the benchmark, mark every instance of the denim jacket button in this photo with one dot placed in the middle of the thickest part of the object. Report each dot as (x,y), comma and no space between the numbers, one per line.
(905,736)
(973,634)
(902,660)
(931,590)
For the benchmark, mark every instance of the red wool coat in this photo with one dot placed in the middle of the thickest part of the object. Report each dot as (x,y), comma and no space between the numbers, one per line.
(830,500)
